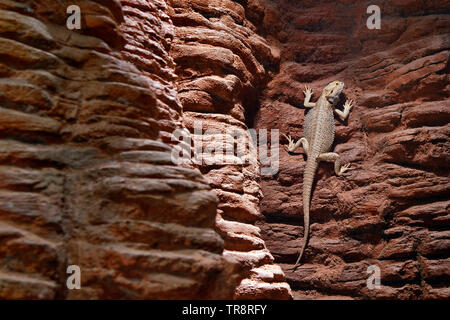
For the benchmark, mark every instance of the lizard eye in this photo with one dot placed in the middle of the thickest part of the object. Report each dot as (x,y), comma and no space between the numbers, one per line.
(336,83)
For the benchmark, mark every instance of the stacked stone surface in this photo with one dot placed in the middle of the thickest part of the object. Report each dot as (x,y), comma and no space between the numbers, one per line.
(87,123)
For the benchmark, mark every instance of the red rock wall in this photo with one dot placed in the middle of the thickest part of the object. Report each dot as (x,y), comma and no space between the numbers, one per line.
(392,207)
(222,66)
(86,138)
(86,176)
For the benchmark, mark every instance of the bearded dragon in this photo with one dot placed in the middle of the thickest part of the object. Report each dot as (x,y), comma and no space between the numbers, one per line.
(318,130)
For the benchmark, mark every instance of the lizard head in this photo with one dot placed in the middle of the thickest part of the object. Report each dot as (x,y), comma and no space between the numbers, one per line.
(333,90)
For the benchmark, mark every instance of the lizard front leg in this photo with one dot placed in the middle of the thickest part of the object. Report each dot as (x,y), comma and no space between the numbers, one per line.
(334,157)
(293,146)
(347,107)
(308,93)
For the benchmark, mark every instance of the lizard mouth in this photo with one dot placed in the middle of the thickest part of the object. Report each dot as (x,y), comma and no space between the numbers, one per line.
(334,90)
(332,99)
(334,95)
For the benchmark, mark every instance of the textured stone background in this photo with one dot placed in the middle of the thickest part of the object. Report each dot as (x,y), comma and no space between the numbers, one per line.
(392,207)
(86,134)
(86,175)
(222,67)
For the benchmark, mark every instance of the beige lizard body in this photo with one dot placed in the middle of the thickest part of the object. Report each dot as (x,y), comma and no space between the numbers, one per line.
(318,130)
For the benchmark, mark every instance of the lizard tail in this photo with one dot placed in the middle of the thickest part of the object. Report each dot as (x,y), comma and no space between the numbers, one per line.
(308,177)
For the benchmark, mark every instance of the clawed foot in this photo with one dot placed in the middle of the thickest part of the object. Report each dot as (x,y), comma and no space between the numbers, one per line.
(291,146)
(344,168)
(348,105)
(307,92)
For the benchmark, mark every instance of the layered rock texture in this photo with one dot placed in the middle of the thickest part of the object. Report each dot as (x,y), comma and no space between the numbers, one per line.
(89,131)
(222,66)
(391,209)
(86,176)
(88,120)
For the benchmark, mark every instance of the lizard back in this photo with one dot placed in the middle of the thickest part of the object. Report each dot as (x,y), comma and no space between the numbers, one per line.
(319,127)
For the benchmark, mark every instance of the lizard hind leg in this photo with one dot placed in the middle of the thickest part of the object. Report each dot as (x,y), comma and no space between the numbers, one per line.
(334,157)
(304,144)
(293,146)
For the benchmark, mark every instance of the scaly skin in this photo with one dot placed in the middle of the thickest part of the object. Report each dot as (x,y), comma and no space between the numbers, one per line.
(318,138)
